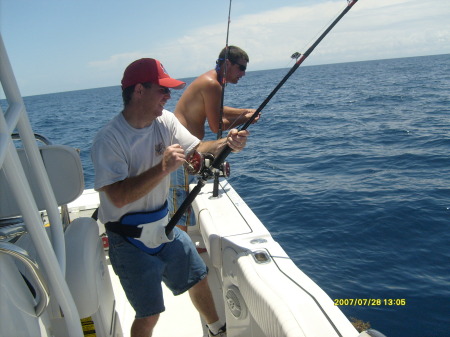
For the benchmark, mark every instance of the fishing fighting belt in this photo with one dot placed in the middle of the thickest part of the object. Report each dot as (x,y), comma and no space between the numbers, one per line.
(145,230)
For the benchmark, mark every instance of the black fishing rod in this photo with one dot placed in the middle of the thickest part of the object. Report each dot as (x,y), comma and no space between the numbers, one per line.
(224,78)
(209,172)
(222,100)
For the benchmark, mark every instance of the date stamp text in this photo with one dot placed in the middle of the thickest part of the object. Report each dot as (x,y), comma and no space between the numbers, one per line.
(369,301)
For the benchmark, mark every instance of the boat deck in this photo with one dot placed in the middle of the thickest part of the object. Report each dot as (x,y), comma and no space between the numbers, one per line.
(180,318)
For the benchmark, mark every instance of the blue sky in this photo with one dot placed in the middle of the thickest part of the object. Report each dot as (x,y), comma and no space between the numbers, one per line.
(57,46)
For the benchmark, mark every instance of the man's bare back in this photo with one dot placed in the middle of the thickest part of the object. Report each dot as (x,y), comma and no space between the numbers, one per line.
(199,102)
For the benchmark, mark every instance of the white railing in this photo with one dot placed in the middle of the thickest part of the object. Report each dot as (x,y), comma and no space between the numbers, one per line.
(52,256)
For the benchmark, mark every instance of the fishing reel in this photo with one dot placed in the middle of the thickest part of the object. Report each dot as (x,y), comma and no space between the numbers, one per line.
(198,162)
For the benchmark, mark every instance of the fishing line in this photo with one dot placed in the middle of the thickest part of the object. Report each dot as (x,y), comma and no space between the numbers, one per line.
(209,172)
(235,122)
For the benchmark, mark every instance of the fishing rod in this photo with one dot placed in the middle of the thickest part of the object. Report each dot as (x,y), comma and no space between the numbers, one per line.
(224,78)
(209,172)
(224,82)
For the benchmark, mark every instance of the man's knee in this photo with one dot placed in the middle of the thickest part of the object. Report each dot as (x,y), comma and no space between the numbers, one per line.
(144,326)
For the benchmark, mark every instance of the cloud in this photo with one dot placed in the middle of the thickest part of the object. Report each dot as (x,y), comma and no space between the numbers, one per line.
(372,29)
(115,60)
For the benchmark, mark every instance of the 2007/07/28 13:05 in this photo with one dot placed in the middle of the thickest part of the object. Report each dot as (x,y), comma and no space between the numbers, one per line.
(369,301)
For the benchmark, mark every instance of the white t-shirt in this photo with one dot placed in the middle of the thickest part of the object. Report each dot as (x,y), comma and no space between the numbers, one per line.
(120,151)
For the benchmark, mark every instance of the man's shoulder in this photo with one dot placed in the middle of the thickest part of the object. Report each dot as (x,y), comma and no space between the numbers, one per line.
(167,119)
(209,78)
(108,130)
(166,116)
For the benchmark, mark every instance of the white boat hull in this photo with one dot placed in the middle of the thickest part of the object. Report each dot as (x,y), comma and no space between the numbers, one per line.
(257,288)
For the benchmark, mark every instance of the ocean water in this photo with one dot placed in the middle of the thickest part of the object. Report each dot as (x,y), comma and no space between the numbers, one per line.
(348,167)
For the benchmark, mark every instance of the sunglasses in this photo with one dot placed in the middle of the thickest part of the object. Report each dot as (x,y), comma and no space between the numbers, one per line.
(241,66)
(164,90)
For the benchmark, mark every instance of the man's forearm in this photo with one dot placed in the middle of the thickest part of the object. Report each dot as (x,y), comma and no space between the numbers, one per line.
(233,113)
(212,146)
(235,139)
(131,189)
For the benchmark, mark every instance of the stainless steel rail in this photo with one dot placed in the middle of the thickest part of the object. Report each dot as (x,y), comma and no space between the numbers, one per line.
(52,254)
(37,280)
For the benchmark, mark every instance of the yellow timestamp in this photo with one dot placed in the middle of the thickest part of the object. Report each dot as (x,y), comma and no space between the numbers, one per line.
(369,301)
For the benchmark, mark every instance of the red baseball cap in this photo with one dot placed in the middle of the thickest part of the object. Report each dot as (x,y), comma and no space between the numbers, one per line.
(149,70)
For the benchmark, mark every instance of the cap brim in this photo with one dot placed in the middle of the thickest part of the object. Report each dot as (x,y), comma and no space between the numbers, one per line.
(172,83)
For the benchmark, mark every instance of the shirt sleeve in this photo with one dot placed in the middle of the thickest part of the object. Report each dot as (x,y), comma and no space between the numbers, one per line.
(109,162)
(182,135)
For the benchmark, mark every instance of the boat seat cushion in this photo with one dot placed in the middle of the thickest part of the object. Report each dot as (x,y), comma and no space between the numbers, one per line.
(63,165)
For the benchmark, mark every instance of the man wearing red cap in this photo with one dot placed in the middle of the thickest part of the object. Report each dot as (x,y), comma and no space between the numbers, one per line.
(133,157)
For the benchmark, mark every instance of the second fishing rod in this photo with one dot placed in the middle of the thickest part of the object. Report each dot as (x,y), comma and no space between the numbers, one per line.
(223,84)
(209,172)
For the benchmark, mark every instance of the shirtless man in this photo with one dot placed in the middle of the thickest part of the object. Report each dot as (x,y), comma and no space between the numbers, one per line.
(202,99)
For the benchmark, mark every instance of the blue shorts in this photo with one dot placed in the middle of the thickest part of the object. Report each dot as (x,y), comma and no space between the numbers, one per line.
(177,264)
(179,190)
